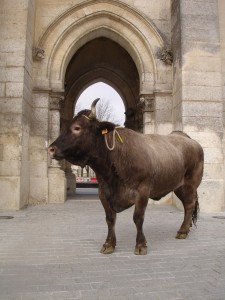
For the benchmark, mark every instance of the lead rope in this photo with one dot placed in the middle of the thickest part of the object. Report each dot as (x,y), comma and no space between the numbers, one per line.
(105,133)
(114,140)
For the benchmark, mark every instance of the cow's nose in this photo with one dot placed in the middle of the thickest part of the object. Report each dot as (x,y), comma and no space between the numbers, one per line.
(51,151)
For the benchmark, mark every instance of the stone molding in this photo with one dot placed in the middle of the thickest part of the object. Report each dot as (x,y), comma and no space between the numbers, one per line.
(104,3)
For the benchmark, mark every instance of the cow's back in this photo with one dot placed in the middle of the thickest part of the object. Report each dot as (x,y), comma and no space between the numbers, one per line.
(158,160)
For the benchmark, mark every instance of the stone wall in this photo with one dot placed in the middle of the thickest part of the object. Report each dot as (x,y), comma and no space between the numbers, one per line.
(16,35)
(221,5)
(198,79)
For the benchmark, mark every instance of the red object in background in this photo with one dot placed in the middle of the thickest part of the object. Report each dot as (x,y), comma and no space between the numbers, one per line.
(86,179)
(94,179)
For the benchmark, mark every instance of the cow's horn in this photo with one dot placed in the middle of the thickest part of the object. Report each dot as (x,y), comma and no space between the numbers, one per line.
(93,109)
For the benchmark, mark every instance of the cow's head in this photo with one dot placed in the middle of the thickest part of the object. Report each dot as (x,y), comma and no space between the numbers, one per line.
(77,144)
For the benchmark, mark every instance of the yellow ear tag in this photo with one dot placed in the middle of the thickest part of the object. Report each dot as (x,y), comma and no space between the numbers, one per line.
(104,131)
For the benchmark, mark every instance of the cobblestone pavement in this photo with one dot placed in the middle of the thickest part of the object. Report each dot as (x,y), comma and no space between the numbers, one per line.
(52,252)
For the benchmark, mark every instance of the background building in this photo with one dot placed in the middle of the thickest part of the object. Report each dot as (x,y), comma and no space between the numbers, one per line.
(165,58)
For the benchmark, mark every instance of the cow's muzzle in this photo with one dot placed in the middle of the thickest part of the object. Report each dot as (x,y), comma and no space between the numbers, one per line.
(54,152)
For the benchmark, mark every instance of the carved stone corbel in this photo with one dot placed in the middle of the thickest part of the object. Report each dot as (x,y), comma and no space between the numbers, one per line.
(166,56)
(38,53)
(146,103)
(57,102)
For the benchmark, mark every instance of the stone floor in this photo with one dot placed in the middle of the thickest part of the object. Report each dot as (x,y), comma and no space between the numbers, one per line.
(52,252)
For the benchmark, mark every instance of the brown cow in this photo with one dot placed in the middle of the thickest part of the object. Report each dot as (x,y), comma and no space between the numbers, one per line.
(132,167)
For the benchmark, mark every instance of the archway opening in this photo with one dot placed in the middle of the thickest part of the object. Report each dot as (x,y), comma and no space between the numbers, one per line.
(110,108)
(103,60)
(102,69)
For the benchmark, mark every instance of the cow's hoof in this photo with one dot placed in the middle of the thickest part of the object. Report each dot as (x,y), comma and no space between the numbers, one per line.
(107,249)
(181,236)
(141,250)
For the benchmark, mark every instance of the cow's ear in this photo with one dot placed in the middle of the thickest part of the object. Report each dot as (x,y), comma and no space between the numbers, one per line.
(105,127)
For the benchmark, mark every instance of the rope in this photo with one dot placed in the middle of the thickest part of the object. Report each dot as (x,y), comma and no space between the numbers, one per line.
(113,139)
(106,142)
(114,133)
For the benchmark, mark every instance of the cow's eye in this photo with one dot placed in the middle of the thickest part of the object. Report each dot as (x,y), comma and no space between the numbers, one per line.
(76,128)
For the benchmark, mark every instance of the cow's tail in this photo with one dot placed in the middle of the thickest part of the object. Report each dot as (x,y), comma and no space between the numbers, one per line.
(196,210)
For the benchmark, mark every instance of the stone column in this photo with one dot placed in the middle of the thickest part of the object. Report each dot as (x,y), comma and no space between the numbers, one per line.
(197,91)
(70,176)
(163,112)
(147,105)
(17,31)
(56,176)
(70,179)
(38,158)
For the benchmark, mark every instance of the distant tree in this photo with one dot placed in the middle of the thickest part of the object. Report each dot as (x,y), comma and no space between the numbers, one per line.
(104,111)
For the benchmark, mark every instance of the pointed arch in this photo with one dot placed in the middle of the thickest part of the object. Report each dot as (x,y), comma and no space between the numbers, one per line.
(89,20)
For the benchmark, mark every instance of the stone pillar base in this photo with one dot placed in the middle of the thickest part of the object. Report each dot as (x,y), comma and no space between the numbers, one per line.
(56,185)
(38,190)
(71,183)
(210,196)
(10,192)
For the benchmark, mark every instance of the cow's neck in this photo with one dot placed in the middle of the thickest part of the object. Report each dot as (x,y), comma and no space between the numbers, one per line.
(101,166)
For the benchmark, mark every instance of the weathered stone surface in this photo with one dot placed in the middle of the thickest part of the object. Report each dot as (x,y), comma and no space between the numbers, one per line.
(1,151)
(10,192)
(163,102)
(213,155)
(2,89)
(206,139)
(213,171)
(202,109)
(205,93)
(206,79)
(14,89)
(40,100)
(56,186)
(211,196)
(10,123)
(15,82)
(38,190)
(38,168)
(203,124)
(11,106)
(39,124)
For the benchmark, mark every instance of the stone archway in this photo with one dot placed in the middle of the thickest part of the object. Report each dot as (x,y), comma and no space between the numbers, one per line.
(133,36)
(119,22)
(105,60)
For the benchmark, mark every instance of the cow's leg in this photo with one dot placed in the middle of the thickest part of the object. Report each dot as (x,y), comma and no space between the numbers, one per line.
(188,196)
(138,217)
(109,246)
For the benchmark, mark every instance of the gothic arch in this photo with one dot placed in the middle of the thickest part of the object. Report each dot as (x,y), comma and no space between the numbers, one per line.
(90,78)
(101,59)
(110,19)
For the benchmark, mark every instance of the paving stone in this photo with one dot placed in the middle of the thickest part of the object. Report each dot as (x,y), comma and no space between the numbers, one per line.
(52,252)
